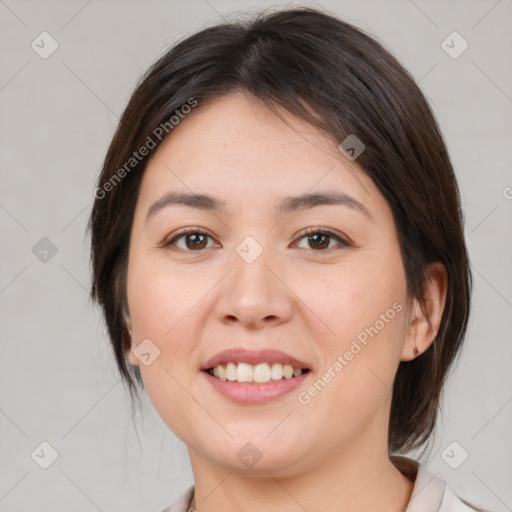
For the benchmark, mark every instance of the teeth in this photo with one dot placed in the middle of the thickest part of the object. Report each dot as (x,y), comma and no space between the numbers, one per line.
(244,372)
(261,373)
(231,373)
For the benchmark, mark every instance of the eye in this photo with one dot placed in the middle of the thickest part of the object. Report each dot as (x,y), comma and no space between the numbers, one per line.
(320,238)
(194,240)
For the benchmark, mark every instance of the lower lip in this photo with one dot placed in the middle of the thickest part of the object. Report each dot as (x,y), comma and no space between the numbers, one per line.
(248,394)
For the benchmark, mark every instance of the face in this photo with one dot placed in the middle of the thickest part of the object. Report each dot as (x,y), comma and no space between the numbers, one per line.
(321,283)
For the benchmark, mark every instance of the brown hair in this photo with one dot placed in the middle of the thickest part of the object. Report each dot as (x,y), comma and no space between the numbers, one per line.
(342,81)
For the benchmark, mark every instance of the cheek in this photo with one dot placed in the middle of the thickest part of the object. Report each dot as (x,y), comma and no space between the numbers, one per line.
(349,300)
(164,306)
(161,298)
(360,336)
(158,308)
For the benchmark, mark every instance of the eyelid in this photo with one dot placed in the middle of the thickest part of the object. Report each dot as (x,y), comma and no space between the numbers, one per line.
(343,240)
(185,231)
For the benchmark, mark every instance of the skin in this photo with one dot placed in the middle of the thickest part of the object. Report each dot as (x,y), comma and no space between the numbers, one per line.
(298,297)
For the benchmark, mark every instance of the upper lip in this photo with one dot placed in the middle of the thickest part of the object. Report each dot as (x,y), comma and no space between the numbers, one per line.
(243,355)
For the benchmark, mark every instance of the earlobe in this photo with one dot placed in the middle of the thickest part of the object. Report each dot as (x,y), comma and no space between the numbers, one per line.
(131,356)
(425,318)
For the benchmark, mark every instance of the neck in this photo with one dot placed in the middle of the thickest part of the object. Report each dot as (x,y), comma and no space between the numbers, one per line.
(349,480)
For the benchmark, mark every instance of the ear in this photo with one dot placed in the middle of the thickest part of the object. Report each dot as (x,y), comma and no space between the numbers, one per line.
(131,357)
(425,316)
(128,323)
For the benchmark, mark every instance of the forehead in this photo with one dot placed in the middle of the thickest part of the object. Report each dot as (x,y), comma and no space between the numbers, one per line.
(238,147)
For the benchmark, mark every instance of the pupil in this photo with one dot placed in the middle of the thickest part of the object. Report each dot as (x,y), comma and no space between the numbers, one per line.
(195,239)
(312,237)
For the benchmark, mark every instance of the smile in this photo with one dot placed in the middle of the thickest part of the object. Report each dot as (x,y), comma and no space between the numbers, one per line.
(251,392)
(259,373)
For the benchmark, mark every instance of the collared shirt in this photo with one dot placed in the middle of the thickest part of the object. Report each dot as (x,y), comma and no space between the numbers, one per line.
(429,494)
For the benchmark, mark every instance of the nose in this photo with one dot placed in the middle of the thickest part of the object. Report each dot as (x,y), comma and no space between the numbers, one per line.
(255,294)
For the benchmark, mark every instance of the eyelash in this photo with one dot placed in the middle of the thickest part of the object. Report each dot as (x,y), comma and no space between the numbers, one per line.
(307,232)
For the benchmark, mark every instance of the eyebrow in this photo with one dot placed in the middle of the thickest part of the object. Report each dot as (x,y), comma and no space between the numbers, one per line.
(295,203)
(285,206)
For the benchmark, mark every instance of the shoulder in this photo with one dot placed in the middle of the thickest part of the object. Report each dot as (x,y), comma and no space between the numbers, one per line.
(182,503)
(453,503)
(432,494)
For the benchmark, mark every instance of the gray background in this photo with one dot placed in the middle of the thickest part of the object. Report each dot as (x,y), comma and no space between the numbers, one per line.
(58,381)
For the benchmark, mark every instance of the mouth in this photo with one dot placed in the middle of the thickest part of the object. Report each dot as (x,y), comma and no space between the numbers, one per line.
(254,366)
(262,373)
(250,377)
(251,392)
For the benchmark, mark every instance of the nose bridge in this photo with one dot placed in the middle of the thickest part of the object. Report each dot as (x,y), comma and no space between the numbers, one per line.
(253,293)
(253,281)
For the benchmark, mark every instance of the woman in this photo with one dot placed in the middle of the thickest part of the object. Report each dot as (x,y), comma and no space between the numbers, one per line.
(278,249)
